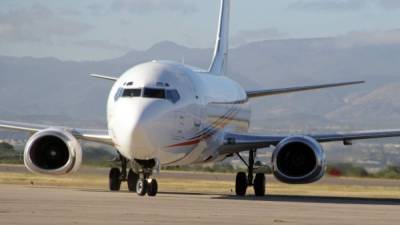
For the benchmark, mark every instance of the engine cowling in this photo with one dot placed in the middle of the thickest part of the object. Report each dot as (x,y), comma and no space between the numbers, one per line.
(53,151)
(298,160)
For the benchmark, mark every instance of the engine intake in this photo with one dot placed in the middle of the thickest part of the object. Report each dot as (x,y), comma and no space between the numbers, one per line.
(298,160)
(53,151)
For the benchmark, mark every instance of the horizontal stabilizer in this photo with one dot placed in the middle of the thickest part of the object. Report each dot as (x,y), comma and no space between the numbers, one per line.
(104,77)
(262,93)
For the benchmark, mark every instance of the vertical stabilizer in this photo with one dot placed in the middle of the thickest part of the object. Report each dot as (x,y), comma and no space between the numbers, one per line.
(220,58)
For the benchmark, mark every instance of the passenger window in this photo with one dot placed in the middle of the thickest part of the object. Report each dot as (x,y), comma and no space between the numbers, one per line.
(173,95)
(154,93)
(131,93)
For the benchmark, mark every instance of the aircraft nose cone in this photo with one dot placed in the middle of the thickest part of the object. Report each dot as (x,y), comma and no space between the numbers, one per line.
(140,144)
(131,129)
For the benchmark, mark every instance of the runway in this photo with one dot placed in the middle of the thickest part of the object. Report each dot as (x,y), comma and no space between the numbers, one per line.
(47,205)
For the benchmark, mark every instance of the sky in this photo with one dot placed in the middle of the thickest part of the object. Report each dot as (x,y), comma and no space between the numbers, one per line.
(103,29)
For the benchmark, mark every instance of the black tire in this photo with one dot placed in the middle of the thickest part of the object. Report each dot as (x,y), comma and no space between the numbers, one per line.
(241,184)
(141,187)
(259,184)
(152,188)
(132,180)
(114,179)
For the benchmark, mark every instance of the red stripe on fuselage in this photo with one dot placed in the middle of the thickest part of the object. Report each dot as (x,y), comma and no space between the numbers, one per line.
(210,132)
(214,124)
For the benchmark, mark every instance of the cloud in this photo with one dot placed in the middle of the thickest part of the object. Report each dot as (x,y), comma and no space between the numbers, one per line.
(363,38)
(94,7)
(342,5)
(69,12)
(143,6)
(37,23)
(389,4)
(328,5)
(6,29)
(100,44)
(351,39)
(97,9)
(247,36)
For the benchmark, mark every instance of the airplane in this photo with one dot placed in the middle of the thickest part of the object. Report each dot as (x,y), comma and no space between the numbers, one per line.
(164,113)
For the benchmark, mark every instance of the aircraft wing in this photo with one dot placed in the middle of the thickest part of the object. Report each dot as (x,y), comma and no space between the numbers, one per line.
(235,142)
(269,92)
(100,136)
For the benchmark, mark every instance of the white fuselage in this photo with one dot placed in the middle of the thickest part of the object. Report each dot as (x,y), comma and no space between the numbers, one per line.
(169,112)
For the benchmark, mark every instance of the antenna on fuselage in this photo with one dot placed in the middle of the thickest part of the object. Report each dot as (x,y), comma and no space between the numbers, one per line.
(220,59)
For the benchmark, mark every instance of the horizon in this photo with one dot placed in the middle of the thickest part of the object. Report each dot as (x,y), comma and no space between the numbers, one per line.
(341,41)
(91,30)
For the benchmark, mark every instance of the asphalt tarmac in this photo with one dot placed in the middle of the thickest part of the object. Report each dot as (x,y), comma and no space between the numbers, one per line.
(49,205)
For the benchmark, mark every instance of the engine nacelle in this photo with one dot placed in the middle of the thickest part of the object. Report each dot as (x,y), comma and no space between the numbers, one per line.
(53,151)
(298,160)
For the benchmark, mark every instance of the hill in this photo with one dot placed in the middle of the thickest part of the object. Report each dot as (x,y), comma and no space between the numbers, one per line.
(48,90)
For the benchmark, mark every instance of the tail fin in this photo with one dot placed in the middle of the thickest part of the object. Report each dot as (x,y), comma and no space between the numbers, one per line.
(220,58)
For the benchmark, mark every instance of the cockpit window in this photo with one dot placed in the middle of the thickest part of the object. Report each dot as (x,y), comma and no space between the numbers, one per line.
(154,93)
(172,95)
(118,94)
(132,92)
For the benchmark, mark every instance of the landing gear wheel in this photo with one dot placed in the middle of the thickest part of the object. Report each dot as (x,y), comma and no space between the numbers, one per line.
(115,179)
(132,180)
(241,184)
(259,184)
(152,188)
(141,187)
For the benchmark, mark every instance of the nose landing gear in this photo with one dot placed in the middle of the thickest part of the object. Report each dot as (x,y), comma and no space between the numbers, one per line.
(146,184)
(149,186)
(141,187)
(140,182)
(152,188)
(132,180)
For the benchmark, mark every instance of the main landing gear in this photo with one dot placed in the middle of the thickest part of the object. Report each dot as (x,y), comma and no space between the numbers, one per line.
(244,180)
(141,183)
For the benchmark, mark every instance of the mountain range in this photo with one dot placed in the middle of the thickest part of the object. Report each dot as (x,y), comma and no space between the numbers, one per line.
(48,90)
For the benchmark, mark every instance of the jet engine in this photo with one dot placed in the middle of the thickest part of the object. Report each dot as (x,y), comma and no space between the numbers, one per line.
(53,151)
(298,160)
